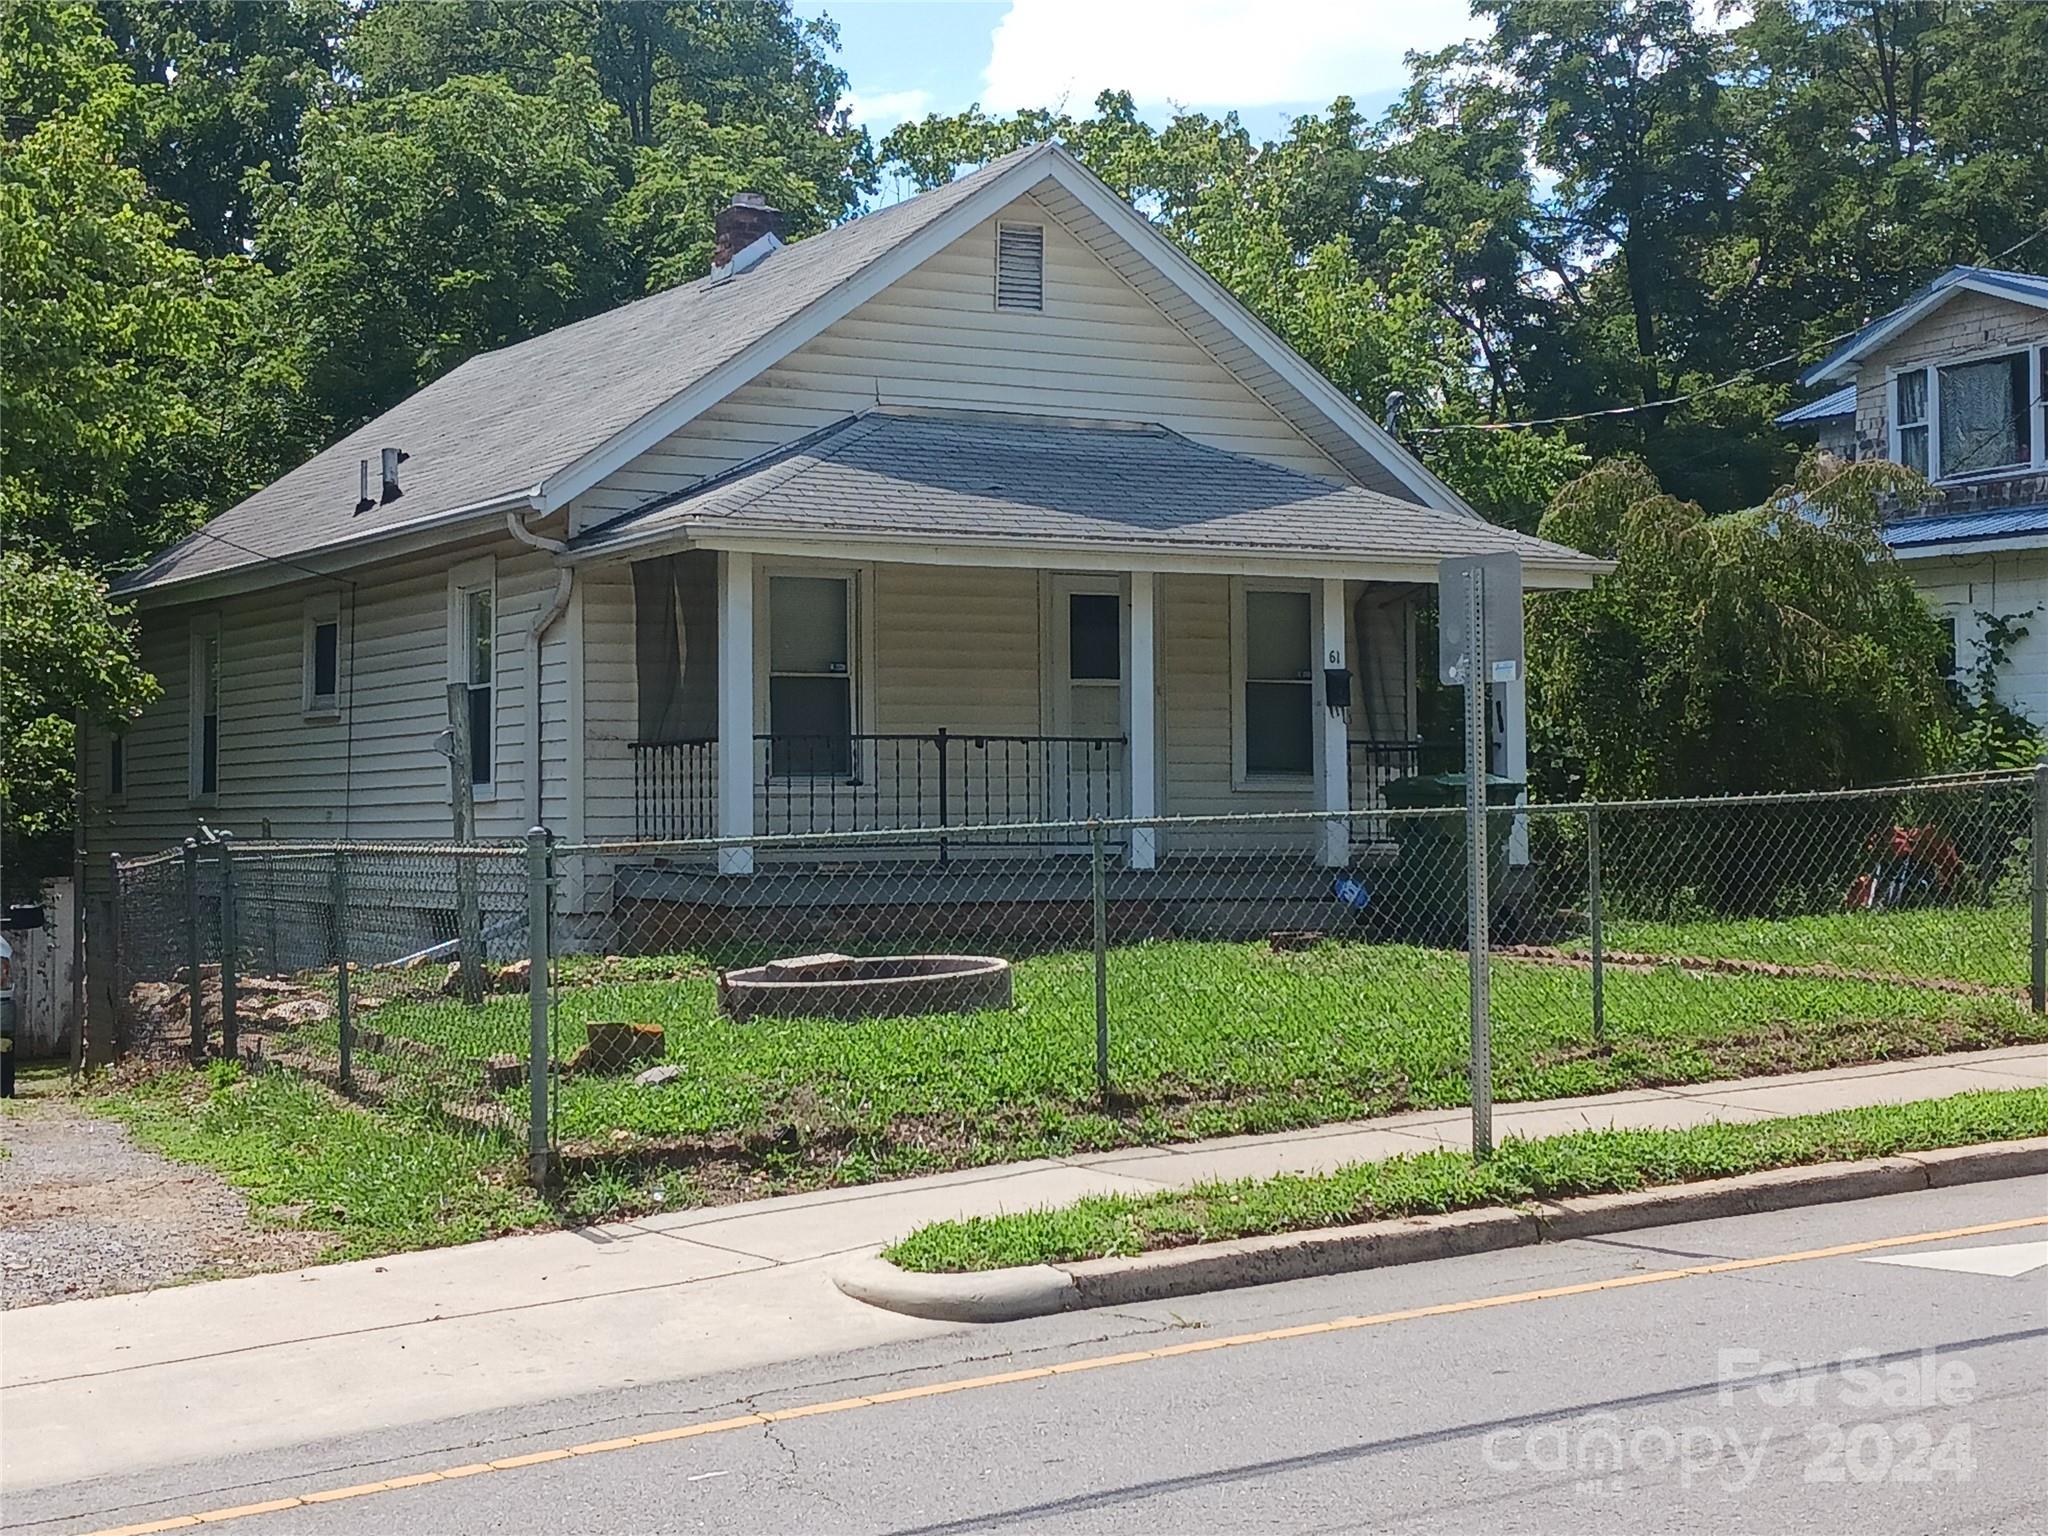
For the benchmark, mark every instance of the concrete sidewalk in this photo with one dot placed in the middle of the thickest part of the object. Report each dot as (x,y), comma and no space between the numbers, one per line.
(124,1383)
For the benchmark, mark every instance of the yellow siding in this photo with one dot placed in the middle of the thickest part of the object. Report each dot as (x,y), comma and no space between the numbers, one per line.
(377,771)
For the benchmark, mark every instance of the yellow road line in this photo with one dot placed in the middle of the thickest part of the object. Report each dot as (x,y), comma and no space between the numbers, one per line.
(1044,1372)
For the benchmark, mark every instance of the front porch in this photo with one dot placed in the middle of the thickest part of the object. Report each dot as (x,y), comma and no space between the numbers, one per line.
(993,713)
(925,621)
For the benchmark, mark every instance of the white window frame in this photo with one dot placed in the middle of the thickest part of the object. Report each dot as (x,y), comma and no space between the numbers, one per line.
(996,277)
(324,609)
(205,628)
(860,655)
(2036,354)
(478,575)
(1241,778)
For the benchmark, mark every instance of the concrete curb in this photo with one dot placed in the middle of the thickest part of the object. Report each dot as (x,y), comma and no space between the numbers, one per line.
(1004,1295)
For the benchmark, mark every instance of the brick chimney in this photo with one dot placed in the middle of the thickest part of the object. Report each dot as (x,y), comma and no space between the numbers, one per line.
(740,223)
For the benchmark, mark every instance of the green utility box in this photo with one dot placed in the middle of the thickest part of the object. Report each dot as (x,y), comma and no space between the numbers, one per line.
(1428,878)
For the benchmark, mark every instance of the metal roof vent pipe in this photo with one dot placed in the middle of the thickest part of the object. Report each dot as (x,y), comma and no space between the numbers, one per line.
(393,457)
(747,231)
(363,502)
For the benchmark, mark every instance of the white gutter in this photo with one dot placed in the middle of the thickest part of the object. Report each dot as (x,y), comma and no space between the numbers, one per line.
(545,620)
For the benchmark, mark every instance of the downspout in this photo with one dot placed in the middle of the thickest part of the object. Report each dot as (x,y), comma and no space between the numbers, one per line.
(545,620)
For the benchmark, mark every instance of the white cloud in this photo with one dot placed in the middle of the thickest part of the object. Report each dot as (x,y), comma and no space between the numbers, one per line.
(885,109)
(1210,53)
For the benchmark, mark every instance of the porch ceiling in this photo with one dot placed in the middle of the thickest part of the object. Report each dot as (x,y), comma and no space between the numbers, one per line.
(952,487)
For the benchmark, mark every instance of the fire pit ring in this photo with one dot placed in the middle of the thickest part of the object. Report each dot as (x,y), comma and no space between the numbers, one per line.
(865,987)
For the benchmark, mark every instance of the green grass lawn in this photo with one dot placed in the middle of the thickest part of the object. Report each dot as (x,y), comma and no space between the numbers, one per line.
(1980,944)
(1586,1162)
(1206,1039)
(381,1183)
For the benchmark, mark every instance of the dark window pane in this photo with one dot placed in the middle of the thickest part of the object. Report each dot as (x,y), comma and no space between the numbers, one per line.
(117,765)
(1983,415)
(482,755)
(1276,634)
(326,660)
(209,754)
(1094,635)
(807,624)
(1278,728)
(811,720)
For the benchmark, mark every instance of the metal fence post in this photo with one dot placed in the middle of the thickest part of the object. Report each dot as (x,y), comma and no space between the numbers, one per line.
(117,988)
(230,960)
(1596,924)
(1478,907)
(344,1011)
(1098,884)
(539,911)
(195,990)
(945,791)
(2038,981)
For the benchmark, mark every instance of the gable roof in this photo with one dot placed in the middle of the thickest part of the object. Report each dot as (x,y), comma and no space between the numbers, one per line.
(1828,407)
(531,426)
(975,481)
(2023,287)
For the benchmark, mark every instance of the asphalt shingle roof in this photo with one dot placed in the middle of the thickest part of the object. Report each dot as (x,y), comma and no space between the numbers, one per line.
(502,422)
(971,477)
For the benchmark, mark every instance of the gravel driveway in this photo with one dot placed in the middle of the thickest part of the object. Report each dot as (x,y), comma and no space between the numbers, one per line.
(84,1211)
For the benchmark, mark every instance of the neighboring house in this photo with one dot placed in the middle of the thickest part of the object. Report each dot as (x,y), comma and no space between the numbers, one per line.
(1952,385)
(986,507)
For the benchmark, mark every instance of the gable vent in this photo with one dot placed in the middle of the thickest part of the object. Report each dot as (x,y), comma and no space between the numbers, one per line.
(1020,266)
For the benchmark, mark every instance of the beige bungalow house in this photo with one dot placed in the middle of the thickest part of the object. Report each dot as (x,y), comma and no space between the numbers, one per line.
(986,507)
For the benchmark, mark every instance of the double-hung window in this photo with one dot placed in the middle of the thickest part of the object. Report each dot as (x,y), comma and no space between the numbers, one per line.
(1909,420)
(203,746)
(1277,714)
(321,663)
(1980,416)
(810,675)
(473,661)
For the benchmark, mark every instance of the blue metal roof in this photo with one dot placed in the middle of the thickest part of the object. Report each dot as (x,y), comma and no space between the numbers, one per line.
(1841,403)
(2024,286)
(1968,527)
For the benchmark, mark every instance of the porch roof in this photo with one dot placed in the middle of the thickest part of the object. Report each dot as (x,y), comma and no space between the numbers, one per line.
(970,482)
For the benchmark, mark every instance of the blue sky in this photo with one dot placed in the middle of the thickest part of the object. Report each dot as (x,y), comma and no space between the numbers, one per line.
(1270,60)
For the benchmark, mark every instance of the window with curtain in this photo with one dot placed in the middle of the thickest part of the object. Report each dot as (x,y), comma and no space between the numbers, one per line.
(1986,415)
(1279,691)
(1909,419)
(810,675)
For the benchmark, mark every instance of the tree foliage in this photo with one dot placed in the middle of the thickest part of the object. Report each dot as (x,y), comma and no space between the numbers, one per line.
(66,652)
(1775,648)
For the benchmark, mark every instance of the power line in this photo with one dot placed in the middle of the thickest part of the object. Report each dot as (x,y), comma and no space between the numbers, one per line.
(1708,389)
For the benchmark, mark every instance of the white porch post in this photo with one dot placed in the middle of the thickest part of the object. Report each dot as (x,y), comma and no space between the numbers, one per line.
(1141,695)
(1333,767)
(735,708)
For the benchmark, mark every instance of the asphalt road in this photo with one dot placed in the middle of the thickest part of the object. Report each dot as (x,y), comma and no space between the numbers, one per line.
(1822,1394)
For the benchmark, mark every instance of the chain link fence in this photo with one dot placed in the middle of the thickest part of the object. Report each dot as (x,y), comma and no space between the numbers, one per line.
(378,969)
(857,1006)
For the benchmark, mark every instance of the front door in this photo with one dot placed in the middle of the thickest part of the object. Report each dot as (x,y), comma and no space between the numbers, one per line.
(1085,761)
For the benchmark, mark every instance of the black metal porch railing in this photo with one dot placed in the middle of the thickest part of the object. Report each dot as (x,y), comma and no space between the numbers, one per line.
(885,781)
(675,789)
(1376,764)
